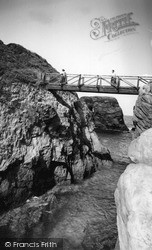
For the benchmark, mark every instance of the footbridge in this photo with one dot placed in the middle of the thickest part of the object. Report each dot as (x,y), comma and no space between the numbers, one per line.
(96,83)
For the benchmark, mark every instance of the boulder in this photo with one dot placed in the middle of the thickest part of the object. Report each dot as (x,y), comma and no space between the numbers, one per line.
(134,207)
(47,138)
(133,197)
(106,112)
(140,149)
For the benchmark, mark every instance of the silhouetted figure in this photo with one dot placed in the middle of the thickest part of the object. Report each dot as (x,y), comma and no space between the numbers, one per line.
(63,77)
(115,81)
(113,78)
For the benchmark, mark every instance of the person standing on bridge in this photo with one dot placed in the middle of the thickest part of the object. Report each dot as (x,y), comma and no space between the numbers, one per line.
(63,77)
(114,80)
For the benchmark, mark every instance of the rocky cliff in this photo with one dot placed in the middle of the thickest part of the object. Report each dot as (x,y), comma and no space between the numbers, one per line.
(134,197)
(47,138)
(18,64)
(142,118)
(106,112)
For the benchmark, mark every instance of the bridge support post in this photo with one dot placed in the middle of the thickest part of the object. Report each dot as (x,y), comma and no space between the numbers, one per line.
(79,81)
(97,85)
(82,81)
(118,84)
(138,81)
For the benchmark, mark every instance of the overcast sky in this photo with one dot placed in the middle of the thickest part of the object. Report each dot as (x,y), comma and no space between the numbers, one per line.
(59,30)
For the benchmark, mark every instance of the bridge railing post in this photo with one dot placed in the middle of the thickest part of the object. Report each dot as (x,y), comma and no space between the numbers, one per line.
(97,84)
(118,84)
(100,81)
(79,81)
(138,81)
(97,80)
(82,80)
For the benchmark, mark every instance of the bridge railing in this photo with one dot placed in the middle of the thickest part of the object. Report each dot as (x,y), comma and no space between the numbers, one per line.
(98,81)
(103,80)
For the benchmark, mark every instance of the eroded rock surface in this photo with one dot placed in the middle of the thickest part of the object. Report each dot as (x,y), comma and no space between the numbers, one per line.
(18,64)
(83,215)
(142,118)
(134,197)
(140,149)
(106,113)
(46,137)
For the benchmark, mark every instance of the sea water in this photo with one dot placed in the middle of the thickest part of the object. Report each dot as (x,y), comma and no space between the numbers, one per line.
(86,216)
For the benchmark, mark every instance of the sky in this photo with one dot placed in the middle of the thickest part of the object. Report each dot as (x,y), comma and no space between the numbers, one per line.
(60,31)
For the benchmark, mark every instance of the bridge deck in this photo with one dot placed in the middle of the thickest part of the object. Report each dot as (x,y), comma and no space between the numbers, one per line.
(94,89)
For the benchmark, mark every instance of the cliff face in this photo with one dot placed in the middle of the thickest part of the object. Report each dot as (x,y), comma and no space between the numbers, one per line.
(134,196)
(46,137)
(18,64)
(106,112)
(142,118)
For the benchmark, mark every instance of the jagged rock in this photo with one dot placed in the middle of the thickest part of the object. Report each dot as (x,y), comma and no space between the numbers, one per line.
(106,113)
(134,197)
(83,215)
(46,137)
(140,149)
(142,118)
(20,220)
(18,64)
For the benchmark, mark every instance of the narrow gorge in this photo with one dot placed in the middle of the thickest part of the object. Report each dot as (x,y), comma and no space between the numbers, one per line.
(58,167)
(48,146)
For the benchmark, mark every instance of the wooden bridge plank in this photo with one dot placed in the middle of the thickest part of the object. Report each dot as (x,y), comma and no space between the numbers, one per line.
(93,89)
